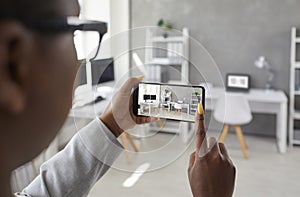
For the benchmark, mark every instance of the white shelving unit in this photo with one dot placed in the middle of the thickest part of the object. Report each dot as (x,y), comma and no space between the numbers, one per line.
(294,134)
(176,53)
(195,99)
(175,49)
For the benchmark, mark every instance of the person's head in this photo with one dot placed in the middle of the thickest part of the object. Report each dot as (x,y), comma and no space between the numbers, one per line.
(37,71)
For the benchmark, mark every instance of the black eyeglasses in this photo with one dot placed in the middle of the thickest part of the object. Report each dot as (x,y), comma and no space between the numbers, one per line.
(59,25)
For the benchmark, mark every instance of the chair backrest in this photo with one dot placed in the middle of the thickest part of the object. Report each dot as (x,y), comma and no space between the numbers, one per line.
(233,109)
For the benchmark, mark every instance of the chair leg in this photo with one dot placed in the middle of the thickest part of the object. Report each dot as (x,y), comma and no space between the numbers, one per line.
(241,138)
(246,145)
(124,142)
(160,123)
(224,133)
(131,142)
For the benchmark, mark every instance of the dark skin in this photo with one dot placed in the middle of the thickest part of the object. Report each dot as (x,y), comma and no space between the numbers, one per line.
(32,108)
(35,99)
(119,118)
(36,95)
(211,172)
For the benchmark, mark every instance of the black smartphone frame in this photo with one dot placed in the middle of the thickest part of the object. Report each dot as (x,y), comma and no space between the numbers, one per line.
(136,95)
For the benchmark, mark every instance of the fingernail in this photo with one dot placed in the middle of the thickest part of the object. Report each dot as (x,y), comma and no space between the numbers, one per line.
(140,77)
(200,109)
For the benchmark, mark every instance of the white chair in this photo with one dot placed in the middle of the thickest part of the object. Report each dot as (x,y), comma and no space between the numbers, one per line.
(233,109)
(177,107)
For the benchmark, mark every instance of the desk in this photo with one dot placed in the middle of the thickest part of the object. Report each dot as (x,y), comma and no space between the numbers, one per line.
(83,96)
(149,105)
(262,101)
(89,111)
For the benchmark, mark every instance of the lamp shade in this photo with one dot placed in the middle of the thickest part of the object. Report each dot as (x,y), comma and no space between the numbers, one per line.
(261,62)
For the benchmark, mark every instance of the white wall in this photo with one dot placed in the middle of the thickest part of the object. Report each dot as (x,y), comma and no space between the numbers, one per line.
(116,41)
(119,10)
(93,10)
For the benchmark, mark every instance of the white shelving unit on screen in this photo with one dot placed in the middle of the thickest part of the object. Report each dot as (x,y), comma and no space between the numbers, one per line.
(162,52)
(294,133)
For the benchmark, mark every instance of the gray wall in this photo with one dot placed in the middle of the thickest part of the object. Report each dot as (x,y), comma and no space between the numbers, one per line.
(235,32)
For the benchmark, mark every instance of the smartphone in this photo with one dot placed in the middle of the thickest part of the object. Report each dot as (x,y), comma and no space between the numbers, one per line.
(176,102)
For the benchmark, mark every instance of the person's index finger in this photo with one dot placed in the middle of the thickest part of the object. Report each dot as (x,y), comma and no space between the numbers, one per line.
(224,151)
(200,132)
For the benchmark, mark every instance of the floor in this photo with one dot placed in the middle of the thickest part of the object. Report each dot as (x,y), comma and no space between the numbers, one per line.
(168,114)
(266,173)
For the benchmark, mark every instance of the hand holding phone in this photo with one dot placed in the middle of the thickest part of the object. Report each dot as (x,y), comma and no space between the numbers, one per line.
(177,102)
(119,116)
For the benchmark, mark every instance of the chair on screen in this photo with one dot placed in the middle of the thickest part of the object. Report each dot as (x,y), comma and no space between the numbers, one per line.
(177,108)
(233,110)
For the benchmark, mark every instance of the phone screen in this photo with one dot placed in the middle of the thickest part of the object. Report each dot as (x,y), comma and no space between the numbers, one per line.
(177,102)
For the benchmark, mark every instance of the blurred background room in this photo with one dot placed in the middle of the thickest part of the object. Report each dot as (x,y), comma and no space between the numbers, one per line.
(247,56)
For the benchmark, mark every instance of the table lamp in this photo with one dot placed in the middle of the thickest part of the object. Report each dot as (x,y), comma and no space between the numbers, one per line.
(262,63)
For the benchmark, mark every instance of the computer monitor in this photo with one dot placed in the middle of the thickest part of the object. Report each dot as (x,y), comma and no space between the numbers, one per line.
(99,74)
(153,97)
(102,71)
(146,97)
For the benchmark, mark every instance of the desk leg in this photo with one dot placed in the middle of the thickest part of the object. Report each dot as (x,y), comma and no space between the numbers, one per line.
(281,128)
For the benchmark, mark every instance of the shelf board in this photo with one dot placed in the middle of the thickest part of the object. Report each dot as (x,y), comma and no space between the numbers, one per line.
(296,139)
(163,61)
(296,65)
(297,39)
(168,39)
(297,92)
(297,114)
(296,142)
